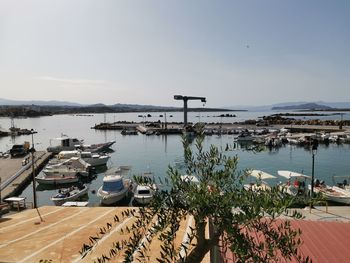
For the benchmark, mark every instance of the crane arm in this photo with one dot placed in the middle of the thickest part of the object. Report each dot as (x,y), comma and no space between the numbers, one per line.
(186,98)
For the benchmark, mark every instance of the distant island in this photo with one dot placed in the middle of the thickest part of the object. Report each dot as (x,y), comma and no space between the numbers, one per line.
(36,111)
(306,106)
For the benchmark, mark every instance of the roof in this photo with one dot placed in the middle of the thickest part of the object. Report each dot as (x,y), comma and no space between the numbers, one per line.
(112,178)
(321,241)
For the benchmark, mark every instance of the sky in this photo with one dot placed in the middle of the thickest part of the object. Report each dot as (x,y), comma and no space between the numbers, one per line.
(248,52)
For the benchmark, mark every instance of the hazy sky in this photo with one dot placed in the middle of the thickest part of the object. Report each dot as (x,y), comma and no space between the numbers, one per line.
(249,52)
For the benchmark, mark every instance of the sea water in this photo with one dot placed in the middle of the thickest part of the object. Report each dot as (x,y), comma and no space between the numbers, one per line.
(156,153)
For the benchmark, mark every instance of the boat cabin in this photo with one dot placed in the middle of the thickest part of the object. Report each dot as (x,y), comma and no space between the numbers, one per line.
(112,183)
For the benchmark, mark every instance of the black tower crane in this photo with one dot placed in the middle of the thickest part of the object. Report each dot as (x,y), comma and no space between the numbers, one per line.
(185,99)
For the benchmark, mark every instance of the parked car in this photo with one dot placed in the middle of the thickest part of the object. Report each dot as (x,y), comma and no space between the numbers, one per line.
(19,149)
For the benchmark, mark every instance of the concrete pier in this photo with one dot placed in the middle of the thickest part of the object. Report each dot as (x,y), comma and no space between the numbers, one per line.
(15,174)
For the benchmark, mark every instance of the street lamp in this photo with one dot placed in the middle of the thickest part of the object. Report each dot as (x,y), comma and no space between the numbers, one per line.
(32,150)
(314,151)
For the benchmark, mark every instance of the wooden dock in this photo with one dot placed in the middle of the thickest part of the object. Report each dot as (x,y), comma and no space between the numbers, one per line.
(15,174)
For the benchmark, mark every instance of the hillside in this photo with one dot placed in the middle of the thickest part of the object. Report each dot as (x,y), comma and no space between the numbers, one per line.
(306,106)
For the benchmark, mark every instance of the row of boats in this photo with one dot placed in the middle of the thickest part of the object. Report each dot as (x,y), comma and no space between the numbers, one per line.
(275,138)
(299,184)
(115,187)
(75,161)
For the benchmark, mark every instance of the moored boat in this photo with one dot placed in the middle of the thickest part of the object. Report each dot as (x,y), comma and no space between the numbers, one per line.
(94,159)
(334,194)
(298,186)
(73,166)
(143,192)
(261,177)
(56,179)
(114,189)
(68,144)
(72,193)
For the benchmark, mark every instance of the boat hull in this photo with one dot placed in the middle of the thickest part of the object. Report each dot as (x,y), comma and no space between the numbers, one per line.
(54,180)
(111,198)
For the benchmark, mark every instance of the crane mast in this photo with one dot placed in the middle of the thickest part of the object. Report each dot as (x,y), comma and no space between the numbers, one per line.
(185,100)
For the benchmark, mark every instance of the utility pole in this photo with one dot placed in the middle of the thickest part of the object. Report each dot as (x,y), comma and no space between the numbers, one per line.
(32,150)
(185,100)
(314,151)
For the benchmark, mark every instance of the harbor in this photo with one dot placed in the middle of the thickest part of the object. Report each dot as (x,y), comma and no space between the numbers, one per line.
(156,152)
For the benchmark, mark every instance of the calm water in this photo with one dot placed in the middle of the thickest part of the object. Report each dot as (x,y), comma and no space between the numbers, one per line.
(156,153)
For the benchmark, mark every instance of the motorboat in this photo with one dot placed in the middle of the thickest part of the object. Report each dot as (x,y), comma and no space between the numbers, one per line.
(261,177)
(297,187)
(65,144)
(69,144)
(334,194)
(129,132)
(114,189)
(74,166)
(245,136)
(94,159)
(345,181)
(72,193)
(189,178)
(143,192)
(56,179)
(96,148)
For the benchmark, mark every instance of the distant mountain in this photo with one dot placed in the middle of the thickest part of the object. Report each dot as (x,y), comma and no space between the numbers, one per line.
(306,106)
(280,106)
(39,103)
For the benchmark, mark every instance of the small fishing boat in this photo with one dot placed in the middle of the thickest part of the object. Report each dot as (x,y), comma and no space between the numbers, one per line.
(94,159)
(245,136)
(334,194)
(297,187)
(74,166)
(72,193)
(56,179)
(262,184)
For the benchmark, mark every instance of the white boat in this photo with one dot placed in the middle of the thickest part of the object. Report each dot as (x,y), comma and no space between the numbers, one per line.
(94,159)
(69,194)
(114,189)
(96,148)
(69,144)
(261,176)
(143,193)
(72,167)
(297,187)
(245,137)
(65,144)
(334,194)
(56,179)
(189,178)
